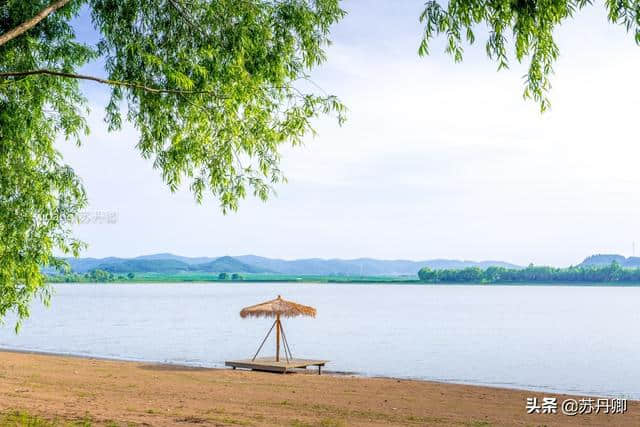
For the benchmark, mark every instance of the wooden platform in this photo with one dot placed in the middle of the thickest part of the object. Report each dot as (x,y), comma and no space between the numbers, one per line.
(270,364)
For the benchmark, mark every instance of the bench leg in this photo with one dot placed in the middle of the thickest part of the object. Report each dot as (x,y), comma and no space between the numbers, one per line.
(319,369)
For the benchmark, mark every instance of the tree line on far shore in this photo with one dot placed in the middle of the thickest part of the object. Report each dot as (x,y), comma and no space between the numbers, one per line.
(94,276)
(611,273)
(101,276)
(543,274)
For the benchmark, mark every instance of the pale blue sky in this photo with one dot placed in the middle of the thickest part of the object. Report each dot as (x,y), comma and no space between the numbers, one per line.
(436,160)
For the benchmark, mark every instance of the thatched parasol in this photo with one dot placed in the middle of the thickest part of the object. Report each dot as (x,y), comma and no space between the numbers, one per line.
(276,308)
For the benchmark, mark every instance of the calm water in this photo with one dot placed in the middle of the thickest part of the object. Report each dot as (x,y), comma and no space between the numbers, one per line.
(561,339)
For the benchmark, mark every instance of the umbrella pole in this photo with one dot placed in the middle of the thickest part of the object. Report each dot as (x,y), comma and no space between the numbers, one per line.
(285,344)
(263,341)
(278,337)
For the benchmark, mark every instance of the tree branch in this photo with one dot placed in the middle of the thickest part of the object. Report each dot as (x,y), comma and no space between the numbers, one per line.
(184,15)
(27,25)
(134,85)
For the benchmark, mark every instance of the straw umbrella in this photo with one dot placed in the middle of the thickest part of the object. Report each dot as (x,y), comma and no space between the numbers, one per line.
(276,308)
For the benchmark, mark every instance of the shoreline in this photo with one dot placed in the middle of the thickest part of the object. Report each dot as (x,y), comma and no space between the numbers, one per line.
(325,371)
(361,282)
(107,391)
(158,362)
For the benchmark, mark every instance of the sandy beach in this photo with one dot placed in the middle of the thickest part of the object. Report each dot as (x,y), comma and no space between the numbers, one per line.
(105,392)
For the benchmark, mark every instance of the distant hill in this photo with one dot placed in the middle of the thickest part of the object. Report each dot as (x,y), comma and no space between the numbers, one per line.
(606,259)
(153,264)
(185,259)
(229,264)
(170,263)
(361,266)
(143,266)
(82,265)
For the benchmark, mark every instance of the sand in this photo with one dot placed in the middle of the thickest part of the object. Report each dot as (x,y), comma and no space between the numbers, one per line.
(106,392)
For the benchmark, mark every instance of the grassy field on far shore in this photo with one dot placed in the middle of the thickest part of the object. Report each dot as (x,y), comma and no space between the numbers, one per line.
(243,277)
(284,278)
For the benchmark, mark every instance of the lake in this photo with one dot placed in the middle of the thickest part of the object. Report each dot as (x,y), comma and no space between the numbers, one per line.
(572,339)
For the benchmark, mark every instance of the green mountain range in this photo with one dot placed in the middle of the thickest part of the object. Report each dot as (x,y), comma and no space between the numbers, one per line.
(169,263)
(607,259)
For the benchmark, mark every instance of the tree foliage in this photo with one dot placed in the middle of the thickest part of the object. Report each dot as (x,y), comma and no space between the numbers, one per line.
(532,274)
(528,24)
(39,194)
(214,89)
(100,276)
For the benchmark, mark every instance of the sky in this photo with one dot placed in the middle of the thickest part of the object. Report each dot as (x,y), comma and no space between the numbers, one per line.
(436,159)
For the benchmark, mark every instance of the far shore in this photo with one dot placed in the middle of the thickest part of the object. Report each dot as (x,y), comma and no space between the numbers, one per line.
(343,281)
(63,389)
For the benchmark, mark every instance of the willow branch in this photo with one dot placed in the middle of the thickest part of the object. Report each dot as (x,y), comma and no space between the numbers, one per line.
(134,85)
(27,25)
(184,15)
